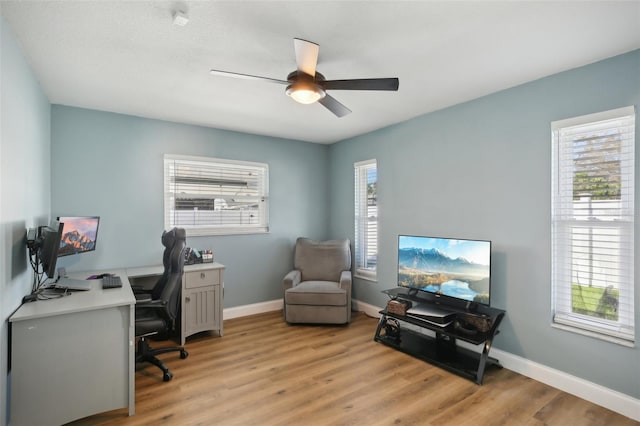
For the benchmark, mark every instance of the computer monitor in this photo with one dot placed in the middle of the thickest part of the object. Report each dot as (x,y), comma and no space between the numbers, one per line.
(80,234)
(49,242)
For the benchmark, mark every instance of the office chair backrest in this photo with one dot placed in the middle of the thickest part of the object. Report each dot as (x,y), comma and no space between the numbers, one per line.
(173,287)
(168,240)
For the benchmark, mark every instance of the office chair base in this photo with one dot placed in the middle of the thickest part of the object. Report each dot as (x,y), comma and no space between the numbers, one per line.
(147,354)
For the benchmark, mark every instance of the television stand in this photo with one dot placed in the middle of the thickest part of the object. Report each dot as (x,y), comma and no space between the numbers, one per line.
(441,349)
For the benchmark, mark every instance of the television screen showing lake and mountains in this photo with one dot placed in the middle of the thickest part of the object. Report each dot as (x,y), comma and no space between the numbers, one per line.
(452,267)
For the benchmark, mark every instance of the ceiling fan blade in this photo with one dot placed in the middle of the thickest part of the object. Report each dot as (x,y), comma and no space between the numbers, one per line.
(334,106)
(306,56)
(246,76)
(362,84)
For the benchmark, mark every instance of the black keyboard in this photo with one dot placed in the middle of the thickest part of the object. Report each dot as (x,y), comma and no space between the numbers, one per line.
(111,281)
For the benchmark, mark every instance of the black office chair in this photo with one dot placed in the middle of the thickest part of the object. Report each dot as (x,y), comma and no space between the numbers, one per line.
(156,312)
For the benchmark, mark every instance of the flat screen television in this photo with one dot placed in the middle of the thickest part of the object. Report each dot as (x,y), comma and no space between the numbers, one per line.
(79,235)
(450,267)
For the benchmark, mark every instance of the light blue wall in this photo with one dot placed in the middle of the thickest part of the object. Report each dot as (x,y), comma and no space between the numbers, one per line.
(111,165)
(482,170)
(476,170)
(24,181)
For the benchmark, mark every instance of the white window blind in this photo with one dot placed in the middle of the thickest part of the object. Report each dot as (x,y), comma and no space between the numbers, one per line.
(366,218)
(593,224)
(210,196)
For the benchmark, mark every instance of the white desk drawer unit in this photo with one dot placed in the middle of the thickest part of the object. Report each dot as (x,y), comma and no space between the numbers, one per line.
(202,290)
(202,295)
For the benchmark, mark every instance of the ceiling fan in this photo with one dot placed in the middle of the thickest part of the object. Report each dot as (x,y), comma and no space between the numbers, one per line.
(306,86)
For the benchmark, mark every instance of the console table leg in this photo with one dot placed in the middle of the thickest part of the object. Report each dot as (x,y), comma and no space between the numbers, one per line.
(483,361)
(380,324)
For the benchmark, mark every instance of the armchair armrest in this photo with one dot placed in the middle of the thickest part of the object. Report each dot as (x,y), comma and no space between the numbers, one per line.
(292,279)
(345,280)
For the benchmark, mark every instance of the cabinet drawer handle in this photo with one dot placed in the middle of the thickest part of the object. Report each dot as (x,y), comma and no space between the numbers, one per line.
(187,299)
(202,275)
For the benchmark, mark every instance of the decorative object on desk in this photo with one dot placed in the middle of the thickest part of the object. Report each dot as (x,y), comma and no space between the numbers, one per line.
(207,256)
(398,306)
(480,323)
(192,256)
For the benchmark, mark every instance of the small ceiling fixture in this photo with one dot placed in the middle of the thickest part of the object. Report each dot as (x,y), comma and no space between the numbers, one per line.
(180,18)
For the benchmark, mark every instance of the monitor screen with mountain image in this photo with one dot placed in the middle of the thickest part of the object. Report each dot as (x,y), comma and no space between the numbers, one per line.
(79,234)
(456,268)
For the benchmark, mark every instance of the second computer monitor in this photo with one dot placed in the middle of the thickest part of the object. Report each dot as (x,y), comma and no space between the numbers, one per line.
(79,234)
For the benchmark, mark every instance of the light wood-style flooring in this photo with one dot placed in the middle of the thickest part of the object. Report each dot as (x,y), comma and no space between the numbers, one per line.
(266,372)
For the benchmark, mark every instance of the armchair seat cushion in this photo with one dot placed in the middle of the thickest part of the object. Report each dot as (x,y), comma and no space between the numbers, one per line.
(324,293)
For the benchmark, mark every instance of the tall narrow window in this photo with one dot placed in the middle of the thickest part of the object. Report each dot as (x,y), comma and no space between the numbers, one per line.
(593,224)
(366,219)
(209,196)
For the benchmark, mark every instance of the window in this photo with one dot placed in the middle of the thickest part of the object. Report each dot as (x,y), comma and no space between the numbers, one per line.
(593,224)
(211,196)
(366,215)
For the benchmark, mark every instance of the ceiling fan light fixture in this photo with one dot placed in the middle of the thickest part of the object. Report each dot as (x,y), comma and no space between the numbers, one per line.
(305,92)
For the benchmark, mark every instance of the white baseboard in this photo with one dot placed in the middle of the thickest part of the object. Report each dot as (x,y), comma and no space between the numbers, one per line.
(589,391)
(370,310)
(255,308)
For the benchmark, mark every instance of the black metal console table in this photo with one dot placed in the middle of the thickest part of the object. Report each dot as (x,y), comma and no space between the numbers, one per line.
(442,348)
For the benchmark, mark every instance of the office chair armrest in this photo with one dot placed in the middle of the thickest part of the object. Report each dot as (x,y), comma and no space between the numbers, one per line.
(137,289)
(148,303)
(142,297)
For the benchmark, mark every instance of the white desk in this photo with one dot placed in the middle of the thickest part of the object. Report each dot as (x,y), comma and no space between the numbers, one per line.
(74,356)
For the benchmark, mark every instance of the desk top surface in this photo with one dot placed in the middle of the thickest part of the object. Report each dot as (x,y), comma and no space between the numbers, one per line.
(79,301)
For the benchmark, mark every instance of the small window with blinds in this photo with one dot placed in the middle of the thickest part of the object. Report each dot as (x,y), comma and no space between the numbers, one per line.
(366,219)
(593,225)
(212,196)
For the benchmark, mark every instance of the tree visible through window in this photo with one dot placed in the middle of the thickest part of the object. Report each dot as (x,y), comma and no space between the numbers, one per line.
(593,223)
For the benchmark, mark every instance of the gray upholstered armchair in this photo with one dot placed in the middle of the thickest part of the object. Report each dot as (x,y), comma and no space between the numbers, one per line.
(318,290)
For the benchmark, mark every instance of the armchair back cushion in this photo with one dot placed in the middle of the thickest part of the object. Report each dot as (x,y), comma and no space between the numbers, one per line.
(322,260)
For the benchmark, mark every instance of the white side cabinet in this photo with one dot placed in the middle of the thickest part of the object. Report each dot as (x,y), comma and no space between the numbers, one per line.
(202,294)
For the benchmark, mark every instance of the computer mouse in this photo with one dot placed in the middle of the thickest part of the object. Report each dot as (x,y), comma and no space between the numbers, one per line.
(104,275)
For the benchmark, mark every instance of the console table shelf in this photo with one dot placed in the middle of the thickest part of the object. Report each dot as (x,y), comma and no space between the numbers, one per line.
(442,348)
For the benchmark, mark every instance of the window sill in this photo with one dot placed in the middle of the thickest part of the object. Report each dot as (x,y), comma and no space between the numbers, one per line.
(367,276)
(595,335)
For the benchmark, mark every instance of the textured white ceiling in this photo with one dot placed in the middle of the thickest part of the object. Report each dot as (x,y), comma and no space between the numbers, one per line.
(129,57)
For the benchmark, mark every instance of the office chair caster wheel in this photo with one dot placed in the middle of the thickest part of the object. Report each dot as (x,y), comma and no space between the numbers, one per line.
(167,376)
(184,354)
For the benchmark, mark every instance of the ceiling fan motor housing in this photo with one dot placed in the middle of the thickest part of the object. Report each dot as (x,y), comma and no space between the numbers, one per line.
(304,88)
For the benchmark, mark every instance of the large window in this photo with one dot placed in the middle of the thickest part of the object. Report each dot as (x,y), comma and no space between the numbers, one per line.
(366,219)
(209,196)
(593,224)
